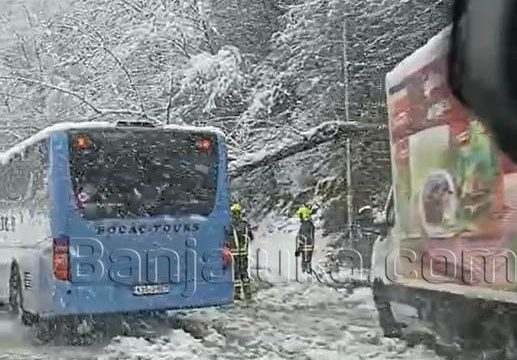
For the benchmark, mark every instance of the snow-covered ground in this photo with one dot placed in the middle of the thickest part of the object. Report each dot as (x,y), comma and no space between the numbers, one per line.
(290,318)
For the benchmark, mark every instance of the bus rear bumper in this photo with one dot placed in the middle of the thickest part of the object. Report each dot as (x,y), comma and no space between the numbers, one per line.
(78,300)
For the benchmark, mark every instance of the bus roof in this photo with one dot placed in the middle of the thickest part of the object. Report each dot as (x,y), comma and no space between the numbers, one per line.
(20,147)
(434,49)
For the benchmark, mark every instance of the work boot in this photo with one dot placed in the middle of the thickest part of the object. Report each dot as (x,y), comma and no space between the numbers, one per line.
(237,290)
(237,296)
(246,289)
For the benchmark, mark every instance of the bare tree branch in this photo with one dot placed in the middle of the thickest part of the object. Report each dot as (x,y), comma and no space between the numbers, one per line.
(131,5)
(169,104)
(103,44)
(30,22)
(182,46)
(128,76)
(236,145)
(99,111)
(9,95)
(12,133)
(28,16)
(54,87)
(7,105)
(204,26)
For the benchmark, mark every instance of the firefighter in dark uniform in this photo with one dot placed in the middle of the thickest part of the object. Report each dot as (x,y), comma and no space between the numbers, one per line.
(241,237)
(305,238)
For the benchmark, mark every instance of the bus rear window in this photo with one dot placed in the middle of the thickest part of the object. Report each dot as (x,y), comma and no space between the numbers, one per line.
(146,172)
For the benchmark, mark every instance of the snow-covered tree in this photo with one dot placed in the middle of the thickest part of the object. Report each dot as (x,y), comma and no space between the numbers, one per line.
(272,74)
(111,59)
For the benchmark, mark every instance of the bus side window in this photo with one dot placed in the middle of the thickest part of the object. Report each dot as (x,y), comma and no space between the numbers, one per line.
(26,167)
(39,167)
(3,184)
(9,193)
(17,180)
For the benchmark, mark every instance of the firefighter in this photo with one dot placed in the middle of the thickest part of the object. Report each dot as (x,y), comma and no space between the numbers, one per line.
(241,238)
(305,238)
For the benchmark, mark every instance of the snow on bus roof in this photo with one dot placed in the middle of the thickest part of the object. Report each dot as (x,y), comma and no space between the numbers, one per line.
(191,128)
(20,147)
(434,49)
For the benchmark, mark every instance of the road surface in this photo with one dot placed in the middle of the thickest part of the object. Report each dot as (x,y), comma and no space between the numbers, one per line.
(289,319)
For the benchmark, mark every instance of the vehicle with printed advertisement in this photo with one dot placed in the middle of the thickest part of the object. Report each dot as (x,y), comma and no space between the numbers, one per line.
(449,262)
(102,218)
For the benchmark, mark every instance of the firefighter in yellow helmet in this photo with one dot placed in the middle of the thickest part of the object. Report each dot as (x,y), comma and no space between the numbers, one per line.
(305,238)
(241,237)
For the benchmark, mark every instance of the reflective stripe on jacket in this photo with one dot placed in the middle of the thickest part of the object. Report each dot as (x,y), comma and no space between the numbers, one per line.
(241,237)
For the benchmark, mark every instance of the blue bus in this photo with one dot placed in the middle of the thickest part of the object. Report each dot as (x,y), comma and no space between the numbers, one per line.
(101,218)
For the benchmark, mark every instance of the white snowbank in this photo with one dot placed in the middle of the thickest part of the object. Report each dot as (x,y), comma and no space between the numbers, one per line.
(177,346)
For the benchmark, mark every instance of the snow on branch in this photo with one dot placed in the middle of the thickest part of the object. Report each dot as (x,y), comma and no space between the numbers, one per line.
(54,87)
(103,44)
(128,76)
(99,111)
(312,138)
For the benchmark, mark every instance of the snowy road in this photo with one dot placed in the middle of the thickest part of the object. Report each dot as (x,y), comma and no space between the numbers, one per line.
(289,320)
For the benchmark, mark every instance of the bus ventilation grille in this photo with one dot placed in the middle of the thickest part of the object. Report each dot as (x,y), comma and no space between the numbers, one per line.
(27,280)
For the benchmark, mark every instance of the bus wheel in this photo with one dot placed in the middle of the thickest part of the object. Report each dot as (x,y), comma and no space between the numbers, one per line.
(16,298)
(44,331)
(15,293)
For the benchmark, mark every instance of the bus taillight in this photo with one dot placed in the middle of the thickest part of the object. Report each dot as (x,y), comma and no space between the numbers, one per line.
(81,142)
(61,259)
(204,144)
(227,255)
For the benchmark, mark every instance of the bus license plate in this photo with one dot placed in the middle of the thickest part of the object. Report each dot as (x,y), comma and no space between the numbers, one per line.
(141,290)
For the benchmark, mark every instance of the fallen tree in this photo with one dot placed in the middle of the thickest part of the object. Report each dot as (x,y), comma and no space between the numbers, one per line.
(321,134)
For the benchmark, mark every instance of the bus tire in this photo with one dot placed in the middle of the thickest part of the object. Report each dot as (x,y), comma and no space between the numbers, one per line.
(15,292)
(16,298)
(44,331)
(390,327)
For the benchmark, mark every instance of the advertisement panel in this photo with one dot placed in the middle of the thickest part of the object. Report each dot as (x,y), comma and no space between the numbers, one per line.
(455,192)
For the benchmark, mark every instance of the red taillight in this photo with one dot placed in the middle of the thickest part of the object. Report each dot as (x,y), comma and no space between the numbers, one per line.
(227,255)
(82,142)
(61,259)
(204,144)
